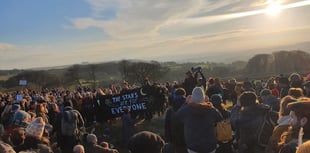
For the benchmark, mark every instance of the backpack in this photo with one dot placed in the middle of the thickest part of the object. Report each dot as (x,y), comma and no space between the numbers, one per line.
(69,123)
(266,128)
(224,130)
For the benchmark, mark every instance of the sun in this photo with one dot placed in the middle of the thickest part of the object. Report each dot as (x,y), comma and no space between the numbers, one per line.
(274,7)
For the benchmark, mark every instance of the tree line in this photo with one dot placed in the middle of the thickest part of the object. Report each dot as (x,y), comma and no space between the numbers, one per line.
(133,71)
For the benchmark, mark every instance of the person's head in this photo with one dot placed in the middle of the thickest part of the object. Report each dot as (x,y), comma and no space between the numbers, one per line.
(189,74)
(217,101)
(265,93)
(198,95)
(15,107)
(21,118)
(78,149)
(40,108)
(92,139)
(283,105)
(18,136)
(283,82)
(304,148)
(178,98)
(248,98)
(145,142)
(180,92)
(296,92)
(300,114)
(295,80)
(306,86)
(68,103)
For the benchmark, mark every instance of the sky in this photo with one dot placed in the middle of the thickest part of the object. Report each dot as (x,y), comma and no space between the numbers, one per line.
(43,33)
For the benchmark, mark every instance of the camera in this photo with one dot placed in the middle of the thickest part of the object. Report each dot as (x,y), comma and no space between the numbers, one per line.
(196,69)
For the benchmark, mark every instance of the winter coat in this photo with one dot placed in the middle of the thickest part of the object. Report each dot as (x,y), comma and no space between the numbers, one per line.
(199,126)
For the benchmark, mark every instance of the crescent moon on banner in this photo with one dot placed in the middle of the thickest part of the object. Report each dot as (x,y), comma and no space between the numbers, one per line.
(142,93)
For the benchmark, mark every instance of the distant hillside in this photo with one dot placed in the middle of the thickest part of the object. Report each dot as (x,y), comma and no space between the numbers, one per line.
(244,55)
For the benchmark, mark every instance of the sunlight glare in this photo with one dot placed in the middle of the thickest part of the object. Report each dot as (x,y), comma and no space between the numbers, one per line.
(274,7)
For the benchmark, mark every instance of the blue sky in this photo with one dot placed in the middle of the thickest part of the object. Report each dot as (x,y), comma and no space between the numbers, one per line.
(37,33)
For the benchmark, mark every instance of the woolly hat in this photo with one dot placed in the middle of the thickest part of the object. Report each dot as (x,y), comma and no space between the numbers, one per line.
(198,96)
(91,138)
(20,116)
(36,127)
(145,142)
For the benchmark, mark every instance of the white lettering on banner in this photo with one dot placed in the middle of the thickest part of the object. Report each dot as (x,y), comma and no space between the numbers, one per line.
(134,107)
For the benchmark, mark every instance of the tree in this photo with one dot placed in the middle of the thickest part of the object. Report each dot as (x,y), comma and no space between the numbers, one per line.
(138,71)
(260,64)
(92,73)
(124,68)
(72,74)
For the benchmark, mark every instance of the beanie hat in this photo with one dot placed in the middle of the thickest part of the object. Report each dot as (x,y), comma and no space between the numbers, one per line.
(36,127)
(20,117)
(145,142)
(91,138)
(198,96)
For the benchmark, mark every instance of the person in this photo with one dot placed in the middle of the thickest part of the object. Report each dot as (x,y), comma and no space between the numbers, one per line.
(283,125)
(250,122)
(199,118)
(92,146)
(217,101)
(67,142)
(214,87)
(127,126)
(174,127)
(268,99)
(189,83)
(34,137)
(284,86)
(295,80)
(296,92)
(299,126)
(78,149)
(146,142)
(307,88)
(304,148)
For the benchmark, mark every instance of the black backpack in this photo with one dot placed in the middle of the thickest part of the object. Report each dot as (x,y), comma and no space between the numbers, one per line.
(69,123)
(266,129)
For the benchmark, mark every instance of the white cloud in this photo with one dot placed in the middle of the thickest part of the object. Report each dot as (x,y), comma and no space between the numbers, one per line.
(140,19)
(6,47)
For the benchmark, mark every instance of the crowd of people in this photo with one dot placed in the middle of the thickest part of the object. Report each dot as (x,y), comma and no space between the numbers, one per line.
(56,120)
